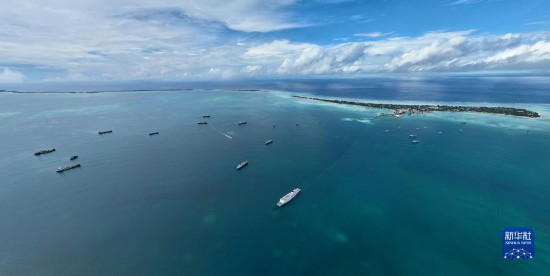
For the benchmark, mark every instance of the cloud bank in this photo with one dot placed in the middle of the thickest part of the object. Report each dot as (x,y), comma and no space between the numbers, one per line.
(431,52)
(10,76)
(58,40)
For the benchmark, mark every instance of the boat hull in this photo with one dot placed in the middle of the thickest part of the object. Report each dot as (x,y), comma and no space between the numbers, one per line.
(288,197)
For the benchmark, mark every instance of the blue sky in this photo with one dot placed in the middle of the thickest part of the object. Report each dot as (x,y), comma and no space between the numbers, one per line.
(100,40)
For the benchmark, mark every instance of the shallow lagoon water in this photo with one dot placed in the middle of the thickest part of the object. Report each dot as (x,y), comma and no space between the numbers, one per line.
(372,202)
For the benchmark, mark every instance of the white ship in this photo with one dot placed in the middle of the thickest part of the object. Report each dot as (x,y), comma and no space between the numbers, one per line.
(288,197)
(242,165)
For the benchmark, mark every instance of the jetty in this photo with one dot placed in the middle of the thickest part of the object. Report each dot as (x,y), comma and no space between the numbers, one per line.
(409,109)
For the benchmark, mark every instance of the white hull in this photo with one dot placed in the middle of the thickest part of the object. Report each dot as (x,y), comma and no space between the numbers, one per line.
(288,197)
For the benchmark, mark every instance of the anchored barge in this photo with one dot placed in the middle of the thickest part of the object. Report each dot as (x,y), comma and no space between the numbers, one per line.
(44,151)
(66,168)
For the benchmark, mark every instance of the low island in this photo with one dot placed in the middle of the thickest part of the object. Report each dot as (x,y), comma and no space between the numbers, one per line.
(421,108)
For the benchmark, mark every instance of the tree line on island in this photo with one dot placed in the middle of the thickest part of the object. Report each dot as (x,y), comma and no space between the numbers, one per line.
(520,112)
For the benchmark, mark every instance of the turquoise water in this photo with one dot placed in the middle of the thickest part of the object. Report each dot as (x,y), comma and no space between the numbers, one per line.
(372,202)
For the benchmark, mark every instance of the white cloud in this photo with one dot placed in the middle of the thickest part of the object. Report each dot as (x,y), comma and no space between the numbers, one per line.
(174,40)
(373,34)
(426,58)
(253,70)
(70,77)
(325,60)
(532,56)
(9,76)
(242,15)
(132,39)
(539,23)
(277,48)
(465,2)
(431,52)
(539,51)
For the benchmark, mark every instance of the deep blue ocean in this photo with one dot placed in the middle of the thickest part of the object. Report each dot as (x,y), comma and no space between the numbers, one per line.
(372,203)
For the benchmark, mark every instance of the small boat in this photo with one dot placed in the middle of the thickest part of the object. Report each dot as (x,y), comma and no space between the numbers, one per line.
(202,123)
(268,142)
(242,165)
(153,133)
(206,116)
(44,151)
(104,132)
(242,123)
(412,136)
(66,168)
(288,197)
(73,157)
(415,141)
